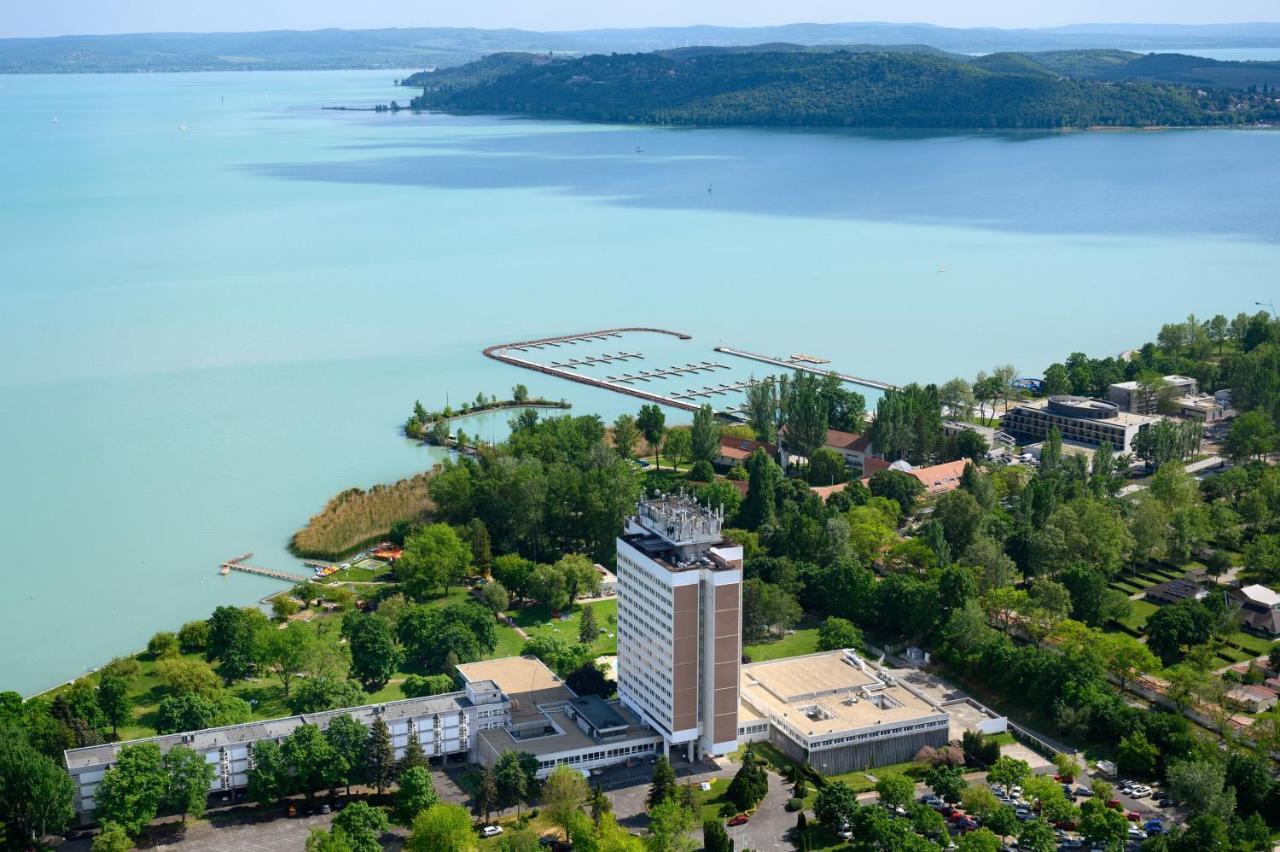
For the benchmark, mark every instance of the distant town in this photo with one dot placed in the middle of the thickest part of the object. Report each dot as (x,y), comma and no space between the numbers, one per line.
(1001,612)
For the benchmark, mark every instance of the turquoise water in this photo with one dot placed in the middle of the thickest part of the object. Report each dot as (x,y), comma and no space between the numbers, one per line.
(205,333)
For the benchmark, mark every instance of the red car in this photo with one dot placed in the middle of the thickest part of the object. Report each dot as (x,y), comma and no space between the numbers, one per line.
(1132,817)
(1114,804)
(1066,825)
(740,819)
(958,816)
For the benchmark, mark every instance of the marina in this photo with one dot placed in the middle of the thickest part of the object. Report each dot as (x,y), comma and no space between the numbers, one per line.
(240,563)
(804,363)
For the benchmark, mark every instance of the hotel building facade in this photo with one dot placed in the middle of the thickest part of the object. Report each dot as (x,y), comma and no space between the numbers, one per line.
(680,624)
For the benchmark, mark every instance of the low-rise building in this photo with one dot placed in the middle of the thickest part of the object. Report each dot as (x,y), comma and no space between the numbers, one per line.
(936,479)
(1077,418)
(837,712)
(854,448)
(1132,397)
(736,451)
(547,719)
(1174,591)
(1251,699)
(1259,609)
(445,725)
(608,581)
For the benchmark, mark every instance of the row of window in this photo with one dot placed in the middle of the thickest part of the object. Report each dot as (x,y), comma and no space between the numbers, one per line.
(603,754)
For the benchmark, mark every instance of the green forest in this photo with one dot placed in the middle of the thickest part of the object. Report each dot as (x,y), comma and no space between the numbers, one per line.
(789,86)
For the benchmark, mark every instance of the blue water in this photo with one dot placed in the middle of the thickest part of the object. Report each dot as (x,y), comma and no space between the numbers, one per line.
(206,332)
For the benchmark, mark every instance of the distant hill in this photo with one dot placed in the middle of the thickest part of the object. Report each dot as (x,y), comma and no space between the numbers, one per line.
(443,46)
(791,87)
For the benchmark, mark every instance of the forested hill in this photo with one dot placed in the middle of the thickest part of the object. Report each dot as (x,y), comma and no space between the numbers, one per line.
(802,87)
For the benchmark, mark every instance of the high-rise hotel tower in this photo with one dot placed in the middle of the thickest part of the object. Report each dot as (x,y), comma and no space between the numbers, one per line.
(680,623)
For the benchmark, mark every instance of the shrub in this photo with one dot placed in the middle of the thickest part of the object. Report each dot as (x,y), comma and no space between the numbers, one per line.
(795,804)
(162,645)
(702,471)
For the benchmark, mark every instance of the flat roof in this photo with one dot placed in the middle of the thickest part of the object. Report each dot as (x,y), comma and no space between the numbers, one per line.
(602,715)
(570,737)
(1123,418)
(525,680)
(251,732)
(815,694)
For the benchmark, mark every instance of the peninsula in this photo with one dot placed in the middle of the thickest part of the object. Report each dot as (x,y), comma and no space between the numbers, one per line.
(868,86)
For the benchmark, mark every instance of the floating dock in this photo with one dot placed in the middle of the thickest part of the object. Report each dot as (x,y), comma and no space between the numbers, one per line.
(239,563)
(801,362)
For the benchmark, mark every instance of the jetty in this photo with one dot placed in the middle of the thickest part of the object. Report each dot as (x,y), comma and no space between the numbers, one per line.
(804,364)
(675,370)
(605,358)
(240,563)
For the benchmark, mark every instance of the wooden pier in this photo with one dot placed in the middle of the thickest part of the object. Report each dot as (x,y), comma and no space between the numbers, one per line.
(798,363)
(675,370)
(239,563)
(716,390)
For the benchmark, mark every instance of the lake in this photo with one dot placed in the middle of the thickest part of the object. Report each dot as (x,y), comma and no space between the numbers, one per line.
(218,302)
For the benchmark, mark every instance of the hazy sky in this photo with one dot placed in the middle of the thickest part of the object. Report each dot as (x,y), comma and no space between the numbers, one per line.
(61,17)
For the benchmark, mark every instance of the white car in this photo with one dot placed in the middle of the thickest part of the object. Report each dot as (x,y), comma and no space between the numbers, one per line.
(491,831)
(1137,834)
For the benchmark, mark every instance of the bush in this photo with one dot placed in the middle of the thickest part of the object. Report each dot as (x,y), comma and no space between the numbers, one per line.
(738,473)
(162,645)
(417,686)
(795,804)
(193,637)
(702,471)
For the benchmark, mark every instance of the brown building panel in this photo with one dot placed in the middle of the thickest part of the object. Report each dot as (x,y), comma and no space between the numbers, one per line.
(726,676)
(684,675)
(726,728)
(727,648)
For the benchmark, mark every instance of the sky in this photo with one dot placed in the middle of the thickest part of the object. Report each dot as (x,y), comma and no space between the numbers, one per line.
(65,17)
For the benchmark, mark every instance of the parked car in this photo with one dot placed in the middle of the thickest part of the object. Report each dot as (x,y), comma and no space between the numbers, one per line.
(931,800)
(957,816)
(1153,826)
(1133,816)
(491,831)
(739,819)
(1114,804)
(1137,834)
(1167,803)
(1082,790)
(325,809)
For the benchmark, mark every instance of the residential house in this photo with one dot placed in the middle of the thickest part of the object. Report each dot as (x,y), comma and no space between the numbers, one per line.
(1259,609)
(736,451)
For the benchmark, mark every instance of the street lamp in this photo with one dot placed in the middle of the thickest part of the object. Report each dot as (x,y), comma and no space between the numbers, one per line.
(1270,304)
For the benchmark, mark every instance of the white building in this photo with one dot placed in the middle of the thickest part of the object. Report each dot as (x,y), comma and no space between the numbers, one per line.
(680,624)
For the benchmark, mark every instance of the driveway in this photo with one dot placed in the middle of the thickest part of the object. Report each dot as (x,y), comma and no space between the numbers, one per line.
(770,823)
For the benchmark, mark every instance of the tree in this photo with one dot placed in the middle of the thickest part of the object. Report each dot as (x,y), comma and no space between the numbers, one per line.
(315,764)
(287,651)
(362,825)
(113,698)
(442,828)
(111,838)
(895,790)
(678,446)
(947,782)
(35,793)
(981,840)
(836,805)
(902,488)
(1036,835)
(188,777)
(653,425)
(374,653)
(131,791)
(956,397)
(161,645)
(715,838)
(669,827)
(232,641)
(826,467)
(350,740)
(380,756)
(415,795)
(763,411)
(1136,756)
(269,779)
(762,478)
(1127,658)
(663,786)
(494,595)
(588,630)
(836,633)
(806,414)
(434,556)
(749,785)
(1252,436)
(515,783)
(414,757)
(625,435)
(189,676)
(705,435)
(590,679)
(1101,824)
(1199,785)
(1008,772)
(564,793)
(317,694)
(520,393)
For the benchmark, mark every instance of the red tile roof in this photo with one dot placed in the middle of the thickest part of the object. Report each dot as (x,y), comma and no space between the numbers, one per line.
(740,449)
(838,440)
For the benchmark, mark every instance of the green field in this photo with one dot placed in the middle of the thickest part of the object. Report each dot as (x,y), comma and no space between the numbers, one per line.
(537,621)
(792,645)
(1139,612)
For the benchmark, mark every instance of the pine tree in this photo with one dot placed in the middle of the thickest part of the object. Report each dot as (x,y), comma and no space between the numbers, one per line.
(715,838)
(758,509)
(413,754)
(380,756)
(802,832)
(588,630)
(600,804)
(664,782)
(486,798)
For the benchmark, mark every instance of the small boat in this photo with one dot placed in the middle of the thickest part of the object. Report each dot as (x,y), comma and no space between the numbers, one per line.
(182,127)
(55,119)
(639,149)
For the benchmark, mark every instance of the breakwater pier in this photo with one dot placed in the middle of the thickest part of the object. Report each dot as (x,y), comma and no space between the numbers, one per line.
(240,563)
(805,363)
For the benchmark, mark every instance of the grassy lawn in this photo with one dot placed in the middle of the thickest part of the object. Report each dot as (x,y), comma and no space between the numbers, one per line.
(1255,645)
(1139,612)
(801,642)
(364,571)
(537,621)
